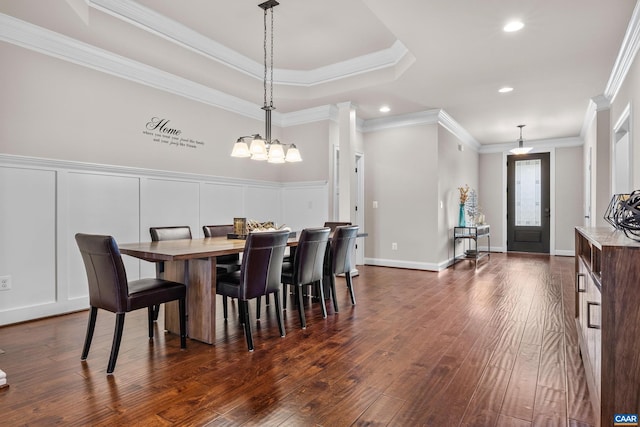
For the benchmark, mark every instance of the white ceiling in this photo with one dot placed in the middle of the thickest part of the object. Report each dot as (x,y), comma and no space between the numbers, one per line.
(413,55)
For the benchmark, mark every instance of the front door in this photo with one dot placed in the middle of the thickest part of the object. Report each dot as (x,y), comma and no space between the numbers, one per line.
(528,209)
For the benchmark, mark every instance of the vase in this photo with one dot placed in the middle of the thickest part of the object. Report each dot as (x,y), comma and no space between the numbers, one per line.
(461,221)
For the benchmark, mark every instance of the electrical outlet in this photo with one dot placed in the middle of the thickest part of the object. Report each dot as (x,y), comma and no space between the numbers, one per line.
(5,283)
(394,246)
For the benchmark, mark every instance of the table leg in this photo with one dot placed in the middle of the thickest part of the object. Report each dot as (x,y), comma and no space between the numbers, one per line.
(200,277)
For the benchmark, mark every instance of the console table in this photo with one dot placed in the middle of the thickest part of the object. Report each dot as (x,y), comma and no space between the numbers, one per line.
(471,233)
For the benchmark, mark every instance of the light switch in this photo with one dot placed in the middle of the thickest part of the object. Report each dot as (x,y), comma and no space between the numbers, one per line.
(375,204)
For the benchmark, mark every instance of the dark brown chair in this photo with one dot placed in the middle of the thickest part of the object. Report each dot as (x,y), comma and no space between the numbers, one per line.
(110,290)
(340,253)
(224,263)
(333,225)
(259,275)
(307,267)
(167,233)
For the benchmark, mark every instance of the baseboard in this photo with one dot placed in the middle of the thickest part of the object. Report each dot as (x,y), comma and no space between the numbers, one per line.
(413,265)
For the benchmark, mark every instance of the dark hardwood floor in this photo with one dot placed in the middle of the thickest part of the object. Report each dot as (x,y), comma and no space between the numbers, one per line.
(492,347)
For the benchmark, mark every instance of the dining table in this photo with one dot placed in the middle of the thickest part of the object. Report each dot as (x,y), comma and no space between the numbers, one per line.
(193,262)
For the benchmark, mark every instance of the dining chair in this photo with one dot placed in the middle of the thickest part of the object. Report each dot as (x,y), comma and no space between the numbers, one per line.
(333,225)
(340,254)
(307,267)
(259,275)
(224,263)
(110,290)
(167,233)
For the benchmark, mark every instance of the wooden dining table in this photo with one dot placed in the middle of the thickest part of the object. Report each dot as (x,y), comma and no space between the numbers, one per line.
(193,262)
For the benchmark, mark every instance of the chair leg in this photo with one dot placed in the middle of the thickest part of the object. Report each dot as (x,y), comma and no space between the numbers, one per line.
(279,315)
(115,347)
(332,283)
(258,300)
(303,322)
(91,326)
(241,313)
(156,312)
(150,314)
(267,302)
(225,309)
(247,325)
(350,286)
(183,322)
(284,296)
(322,302)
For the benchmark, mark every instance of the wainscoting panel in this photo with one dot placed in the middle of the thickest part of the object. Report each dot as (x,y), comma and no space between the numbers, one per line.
(27,237)
(263,203)
(220,203)
(100,204)
(46,202)
(304,205)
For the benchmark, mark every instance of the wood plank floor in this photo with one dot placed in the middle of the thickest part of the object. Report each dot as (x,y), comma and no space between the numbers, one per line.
(492,347)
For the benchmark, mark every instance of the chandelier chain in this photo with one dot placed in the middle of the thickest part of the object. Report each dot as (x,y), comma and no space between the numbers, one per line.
(271,79)
(264,48)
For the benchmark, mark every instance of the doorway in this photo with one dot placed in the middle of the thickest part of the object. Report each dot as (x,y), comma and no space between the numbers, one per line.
(528,203)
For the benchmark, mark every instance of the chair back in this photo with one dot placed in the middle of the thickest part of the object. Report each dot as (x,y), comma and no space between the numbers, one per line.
(105,270)
(217,230)
(333,225)
(262,263)
(342,245)
(309,257)
(170,233)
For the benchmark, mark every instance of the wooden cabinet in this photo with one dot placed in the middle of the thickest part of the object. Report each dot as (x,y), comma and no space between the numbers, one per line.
(608,319)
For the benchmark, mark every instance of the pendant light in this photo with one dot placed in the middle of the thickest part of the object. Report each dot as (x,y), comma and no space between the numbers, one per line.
(520,149)
(264,148)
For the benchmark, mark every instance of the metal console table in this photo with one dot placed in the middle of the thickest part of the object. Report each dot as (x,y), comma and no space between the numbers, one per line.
(471,233)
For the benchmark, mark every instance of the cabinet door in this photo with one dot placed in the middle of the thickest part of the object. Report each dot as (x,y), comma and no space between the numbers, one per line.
(582,289)
(593,316)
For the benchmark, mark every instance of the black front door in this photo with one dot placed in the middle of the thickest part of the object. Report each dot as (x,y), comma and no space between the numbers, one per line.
(528,209)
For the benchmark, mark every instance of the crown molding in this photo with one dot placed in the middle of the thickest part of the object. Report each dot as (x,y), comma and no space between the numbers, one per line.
(435,116)
(412,119)
(538,145)
(626,55)
(628,50)
(158,24)
(456,129)
(33,37)
(309,115)
(597,103)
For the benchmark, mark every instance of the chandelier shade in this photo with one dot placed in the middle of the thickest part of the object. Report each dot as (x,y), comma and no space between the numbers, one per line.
(254,146)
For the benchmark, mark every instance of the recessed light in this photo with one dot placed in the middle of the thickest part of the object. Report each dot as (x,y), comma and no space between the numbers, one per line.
(505,89)
(385,109)
(513,26)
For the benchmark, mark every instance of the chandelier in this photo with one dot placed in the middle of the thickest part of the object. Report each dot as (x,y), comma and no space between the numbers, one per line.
(261,148)
(520,149)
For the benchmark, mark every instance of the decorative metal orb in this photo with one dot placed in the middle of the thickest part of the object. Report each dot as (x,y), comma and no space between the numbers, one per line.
(628,218)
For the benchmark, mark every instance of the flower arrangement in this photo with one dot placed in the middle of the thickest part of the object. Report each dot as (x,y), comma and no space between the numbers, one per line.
(464,194)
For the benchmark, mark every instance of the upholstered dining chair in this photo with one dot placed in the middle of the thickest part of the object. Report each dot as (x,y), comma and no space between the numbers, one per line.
(307,267)
(340,254)
(167,233)
(333,225)
(110,290)
(259,275)
(224,263)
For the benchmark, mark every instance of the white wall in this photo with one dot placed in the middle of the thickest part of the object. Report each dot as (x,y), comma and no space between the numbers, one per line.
(629,96)
(46,202)
(455,169)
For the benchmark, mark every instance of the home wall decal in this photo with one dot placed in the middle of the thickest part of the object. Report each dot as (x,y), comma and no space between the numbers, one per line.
(160,131)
